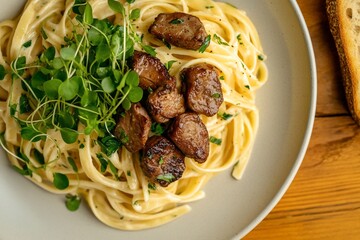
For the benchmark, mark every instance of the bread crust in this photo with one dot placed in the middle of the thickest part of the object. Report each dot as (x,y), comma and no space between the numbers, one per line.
(344,24)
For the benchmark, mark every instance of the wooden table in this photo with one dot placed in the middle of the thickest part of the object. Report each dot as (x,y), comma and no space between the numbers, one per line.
(323,202)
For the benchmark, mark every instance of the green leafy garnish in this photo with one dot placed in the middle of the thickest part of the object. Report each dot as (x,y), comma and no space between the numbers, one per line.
(25,171)
(86,81)
(72,164)
(215,140)
(225,116)
(239,39)
(177,21)
(109,145)
(2,72)
(103,162)
(219,40)
(205,44)
(43,34)
(157,128)
(152,186)
(116,6)
(216,95)
(169,64)
(24,104)
(134,14)
(72,202)
(39,157)
(167,177)
(27,44)
(61,181)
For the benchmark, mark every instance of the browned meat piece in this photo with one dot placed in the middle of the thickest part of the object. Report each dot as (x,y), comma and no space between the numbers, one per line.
(203,88)
(166,102)
(133,128)
(179,29)
(190,135)
(162,161)
(151,71)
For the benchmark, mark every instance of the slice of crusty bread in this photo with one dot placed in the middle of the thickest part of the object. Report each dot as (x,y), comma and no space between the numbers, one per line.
(344,20)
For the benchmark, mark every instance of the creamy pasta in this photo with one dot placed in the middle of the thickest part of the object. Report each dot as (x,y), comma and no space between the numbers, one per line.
(119,194)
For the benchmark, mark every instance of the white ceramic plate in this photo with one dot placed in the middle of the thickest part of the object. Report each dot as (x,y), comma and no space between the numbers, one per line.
(231,208)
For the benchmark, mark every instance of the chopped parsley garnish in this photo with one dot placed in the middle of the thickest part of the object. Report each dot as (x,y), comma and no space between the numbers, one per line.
(205,44)
(103,162)
(177,21)
(27,44)
(43,34)
(161,161)
(157,128)
(225,116)
(215,140)
(261,57)
(216,95)
(219,40)
(240,39)
(167,177)
(152,186)
(169,64)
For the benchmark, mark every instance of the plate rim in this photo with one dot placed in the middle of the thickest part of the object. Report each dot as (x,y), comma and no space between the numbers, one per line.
(309,128)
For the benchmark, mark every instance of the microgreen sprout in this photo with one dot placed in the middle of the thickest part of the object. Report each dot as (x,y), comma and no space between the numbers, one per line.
(87,81)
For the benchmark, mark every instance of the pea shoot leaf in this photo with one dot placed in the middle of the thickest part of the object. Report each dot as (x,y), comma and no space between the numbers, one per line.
(61,181)
(30,134)
(49,53)
(90,98)
(103,52)
(88,14)
(38,79)
(135,94)
(68,89)
(134,14)
(132,78)
(72,164)
(39,157)
(24,106)
(126,104)
(108,85)
(116,6)
(72,202)
(68,53)
(51,88)
(69,135)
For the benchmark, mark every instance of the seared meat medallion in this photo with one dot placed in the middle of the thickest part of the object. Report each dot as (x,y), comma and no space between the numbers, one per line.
(152,72)
(166,102)
(203,92)
(190,135)
(133,128)
(162,161)
(179,29)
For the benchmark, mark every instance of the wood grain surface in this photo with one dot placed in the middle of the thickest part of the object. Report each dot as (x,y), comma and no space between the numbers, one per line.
(323,202)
